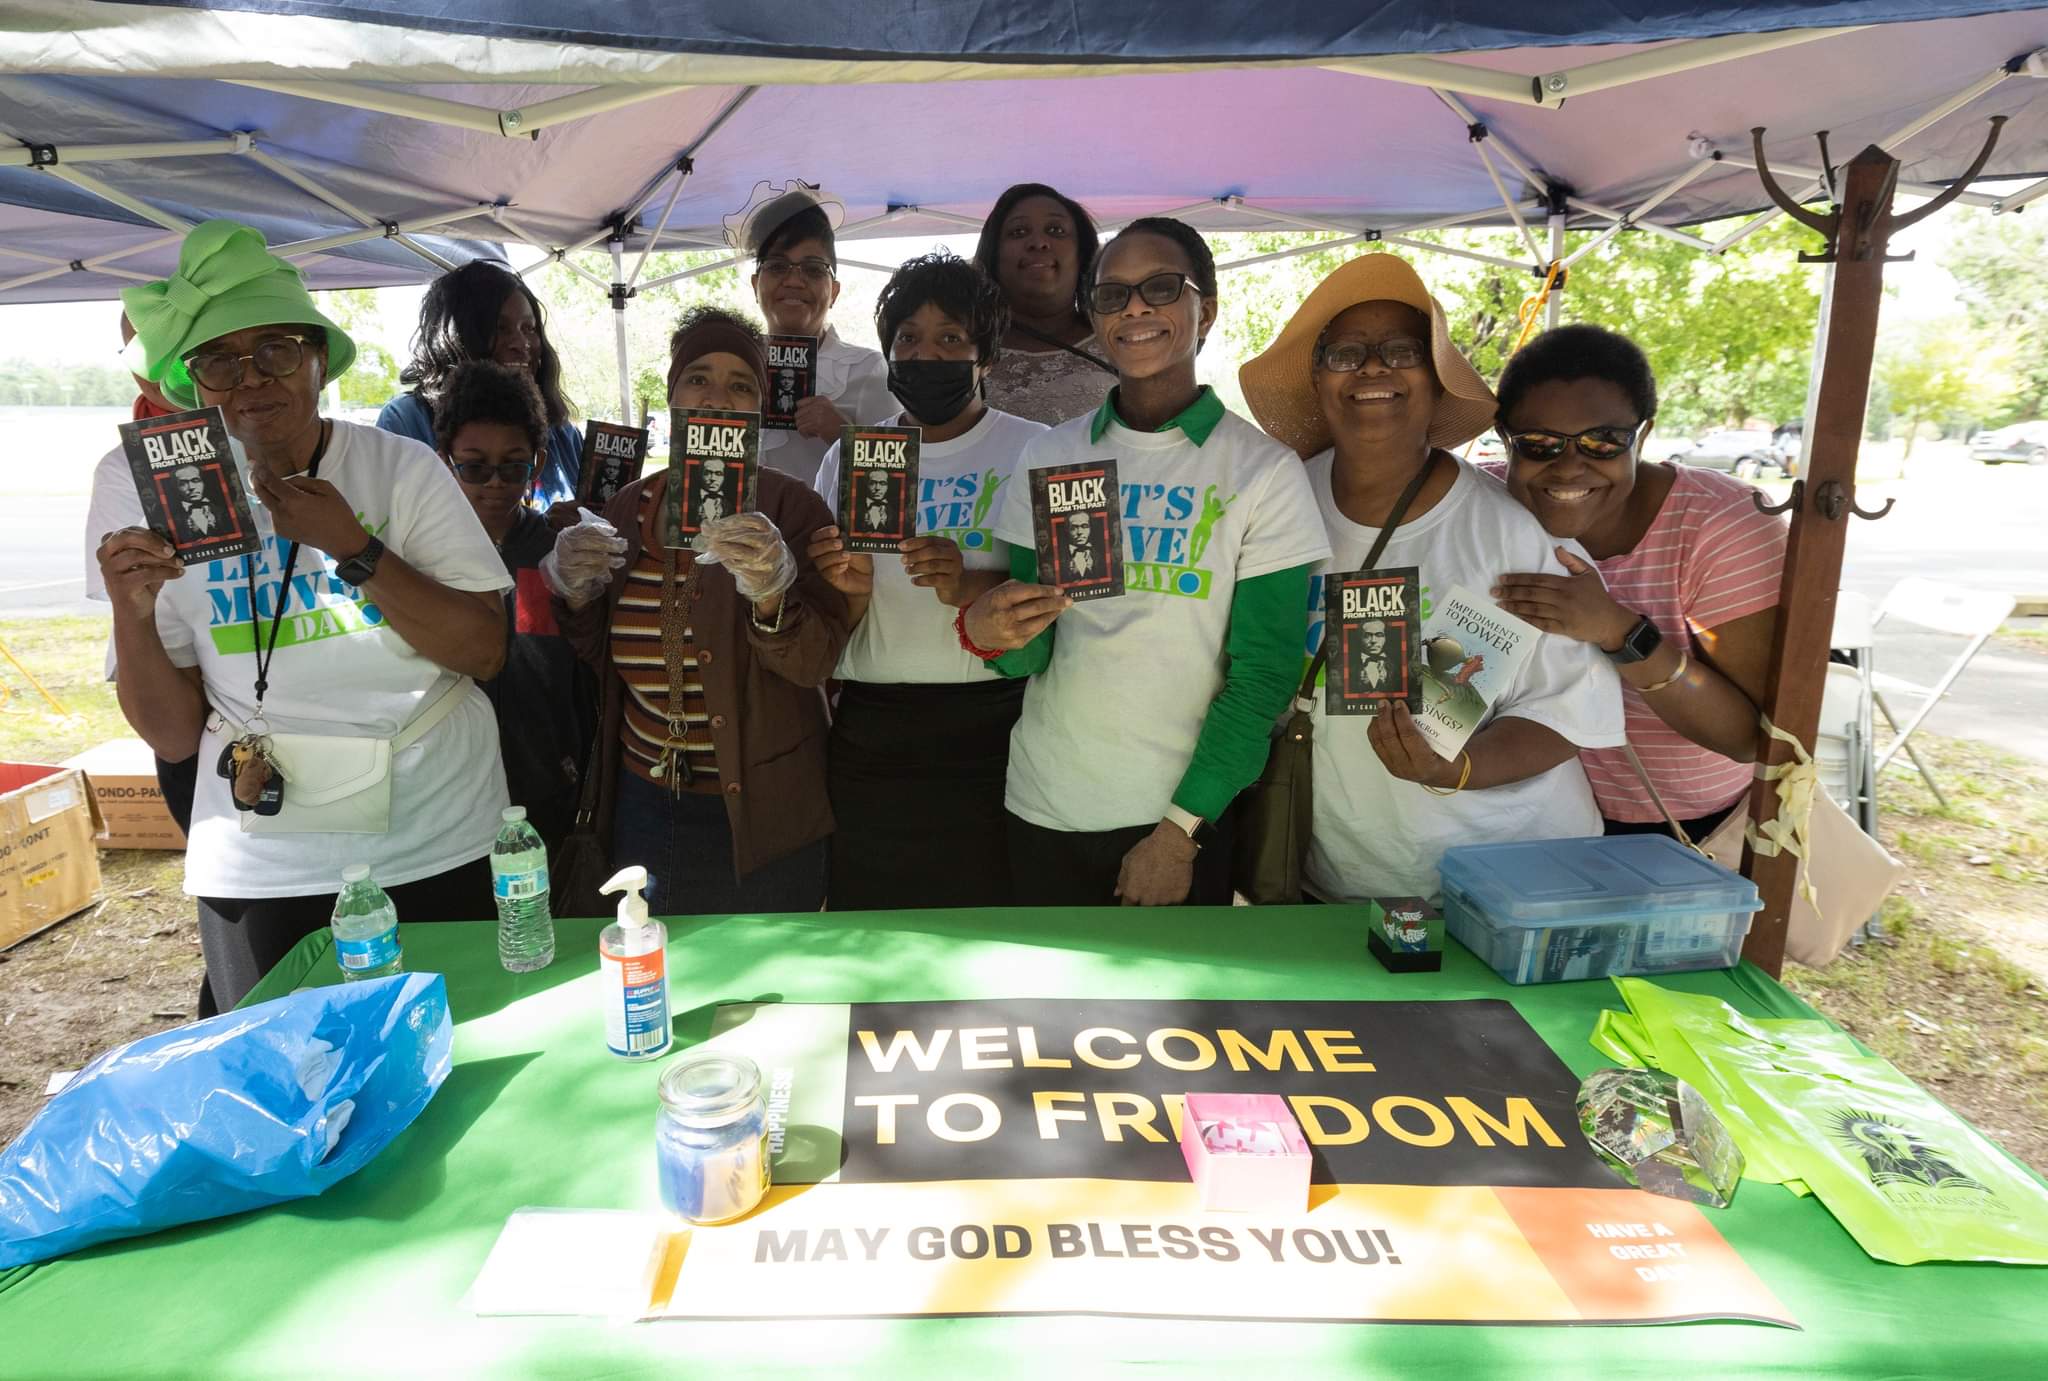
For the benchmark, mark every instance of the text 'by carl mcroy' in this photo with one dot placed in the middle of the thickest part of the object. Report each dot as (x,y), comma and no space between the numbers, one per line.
(1092,1239)
(1082,491)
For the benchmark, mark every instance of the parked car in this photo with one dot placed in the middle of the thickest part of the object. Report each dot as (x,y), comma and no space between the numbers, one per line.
(1744,455)
(2026,442)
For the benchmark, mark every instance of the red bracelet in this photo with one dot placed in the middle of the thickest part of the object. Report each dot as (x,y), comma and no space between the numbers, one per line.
(960,627)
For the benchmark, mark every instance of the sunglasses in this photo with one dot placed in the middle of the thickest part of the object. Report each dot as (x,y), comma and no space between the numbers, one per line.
(1598,443)
(813,270)
(277,358)
(1348,357)
(482,472)
(1160,290)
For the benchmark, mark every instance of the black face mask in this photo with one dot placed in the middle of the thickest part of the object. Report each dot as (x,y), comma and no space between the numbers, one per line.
(933,391)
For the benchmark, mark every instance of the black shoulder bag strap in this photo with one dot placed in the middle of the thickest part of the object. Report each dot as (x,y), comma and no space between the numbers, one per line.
(1104,365)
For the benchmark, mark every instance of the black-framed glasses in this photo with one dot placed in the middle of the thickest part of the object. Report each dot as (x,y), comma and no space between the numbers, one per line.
(1160,290)
(277,358)
(483,472)
(813,270)
(1350,356)
(1595,443)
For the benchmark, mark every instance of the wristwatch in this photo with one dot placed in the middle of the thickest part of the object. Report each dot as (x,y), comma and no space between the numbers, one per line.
(1202,832)
(359,568)
(1639,642)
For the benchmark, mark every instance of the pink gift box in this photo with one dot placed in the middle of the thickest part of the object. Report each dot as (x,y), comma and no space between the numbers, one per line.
(1245,1152)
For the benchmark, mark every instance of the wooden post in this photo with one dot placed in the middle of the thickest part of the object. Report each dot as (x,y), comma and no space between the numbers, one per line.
(1820,506)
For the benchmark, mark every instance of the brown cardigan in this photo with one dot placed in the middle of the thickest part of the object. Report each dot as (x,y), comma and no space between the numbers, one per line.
(763,691)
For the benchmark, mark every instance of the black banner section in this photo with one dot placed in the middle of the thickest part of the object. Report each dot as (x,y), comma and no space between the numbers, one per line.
(1419,1093)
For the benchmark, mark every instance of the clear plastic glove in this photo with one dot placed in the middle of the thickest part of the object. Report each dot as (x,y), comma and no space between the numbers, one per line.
(751,547)
(584,558)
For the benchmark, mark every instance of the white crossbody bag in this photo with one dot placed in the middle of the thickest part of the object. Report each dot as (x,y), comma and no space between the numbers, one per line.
(335,784)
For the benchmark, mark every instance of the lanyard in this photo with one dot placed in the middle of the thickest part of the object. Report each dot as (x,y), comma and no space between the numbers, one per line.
(284,591)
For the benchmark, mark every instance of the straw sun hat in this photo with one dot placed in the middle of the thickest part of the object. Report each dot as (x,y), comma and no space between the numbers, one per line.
(1277,383)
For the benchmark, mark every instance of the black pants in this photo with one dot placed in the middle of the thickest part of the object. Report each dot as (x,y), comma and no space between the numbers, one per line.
(1077,868)
(916,781)
(1695,830)
(244,937)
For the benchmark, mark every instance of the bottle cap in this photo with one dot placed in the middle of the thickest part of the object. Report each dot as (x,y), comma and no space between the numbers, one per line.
(632,905)
(356,872)
(512,814)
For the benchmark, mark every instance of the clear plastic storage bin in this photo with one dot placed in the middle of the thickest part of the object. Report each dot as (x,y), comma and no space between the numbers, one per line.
(1543,911)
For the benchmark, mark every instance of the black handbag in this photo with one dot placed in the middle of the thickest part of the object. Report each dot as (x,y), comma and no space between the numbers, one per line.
(582,862)
(1276,812)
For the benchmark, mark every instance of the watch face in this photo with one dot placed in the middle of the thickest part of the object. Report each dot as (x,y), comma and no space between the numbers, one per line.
(1642,640)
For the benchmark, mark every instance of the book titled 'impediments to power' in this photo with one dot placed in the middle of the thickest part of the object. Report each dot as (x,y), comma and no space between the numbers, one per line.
(1078,523)
(1471,653)
(714,470)
(612,458)
(878,486)
(1373,620)
(792,377)
(191,491)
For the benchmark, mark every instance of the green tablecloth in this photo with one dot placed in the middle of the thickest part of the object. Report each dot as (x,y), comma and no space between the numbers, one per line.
(368,1280)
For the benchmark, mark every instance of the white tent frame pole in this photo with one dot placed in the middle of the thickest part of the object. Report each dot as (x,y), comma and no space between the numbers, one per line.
(730,260)
(1514,211)
(1508,152)
(1649,204)
(404,104)
(1353,236)
(88,183)
(280,168)
(1363,237)
(1553,308)
(1672,58)
(1456,252)
(1889,143)
(2020,198)
(299,249)
(682,175)
(1813,175)
(619,297)
(559,256)
(128,153)
(1668,232)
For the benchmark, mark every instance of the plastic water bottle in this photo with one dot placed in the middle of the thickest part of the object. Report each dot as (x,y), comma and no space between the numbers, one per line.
(365,927)
(519,881)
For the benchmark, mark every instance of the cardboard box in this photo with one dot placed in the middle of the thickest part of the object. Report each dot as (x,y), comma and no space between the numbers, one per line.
(123,777)
(49,868)
(1245,1152)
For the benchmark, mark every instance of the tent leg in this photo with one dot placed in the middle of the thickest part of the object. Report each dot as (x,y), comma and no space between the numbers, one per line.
(620,292)
(1553,310)
(1813,559)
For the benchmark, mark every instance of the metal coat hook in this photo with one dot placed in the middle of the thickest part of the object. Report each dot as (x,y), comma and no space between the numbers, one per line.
(1812,220)
(1756,496)
(1955,189)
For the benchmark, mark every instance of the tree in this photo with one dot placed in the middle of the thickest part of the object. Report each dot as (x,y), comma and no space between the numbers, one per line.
(373,380)
(1940,371)
(2000,264)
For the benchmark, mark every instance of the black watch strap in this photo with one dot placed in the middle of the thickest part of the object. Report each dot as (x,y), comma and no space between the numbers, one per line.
(1640,641)
(360,567)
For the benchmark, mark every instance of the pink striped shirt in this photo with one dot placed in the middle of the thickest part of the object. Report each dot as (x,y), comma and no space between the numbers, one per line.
(1708,558)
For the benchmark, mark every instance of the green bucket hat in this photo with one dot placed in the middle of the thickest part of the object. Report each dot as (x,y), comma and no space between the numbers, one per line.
(227,280)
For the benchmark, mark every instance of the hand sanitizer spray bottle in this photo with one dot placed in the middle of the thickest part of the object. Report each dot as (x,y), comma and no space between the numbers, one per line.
(633,957)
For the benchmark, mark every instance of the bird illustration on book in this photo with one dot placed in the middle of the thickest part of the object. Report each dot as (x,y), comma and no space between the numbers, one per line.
(1450,666)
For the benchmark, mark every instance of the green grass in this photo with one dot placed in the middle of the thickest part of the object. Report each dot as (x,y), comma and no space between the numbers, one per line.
(66,657)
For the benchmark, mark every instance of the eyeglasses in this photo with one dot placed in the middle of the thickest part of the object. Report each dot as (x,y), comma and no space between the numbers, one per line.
(482,472)
(813,270)
(1160,290)
(1598,443)
(277,358)
(1350,356)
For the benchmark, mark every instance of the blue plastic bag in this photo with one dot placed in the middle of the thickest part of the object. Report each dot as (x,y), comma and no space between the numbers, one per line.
(252,1107)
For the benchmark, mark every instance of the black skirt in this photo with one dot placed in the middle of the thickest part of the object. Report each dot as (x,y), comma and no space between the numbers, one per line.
(915,774)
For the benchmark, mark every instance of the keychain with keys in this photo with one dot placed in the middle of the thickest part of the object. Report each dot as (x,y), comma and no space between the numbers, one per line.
(252,775)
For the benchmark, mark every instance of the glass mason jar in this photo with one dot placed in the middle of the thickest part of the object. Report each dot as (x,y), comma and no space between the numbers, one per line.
(711,1140)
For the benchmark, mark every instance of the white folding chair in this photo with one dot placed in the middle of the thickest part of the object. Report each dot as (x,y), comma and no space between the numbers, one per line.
(1847,708)
(1973,615)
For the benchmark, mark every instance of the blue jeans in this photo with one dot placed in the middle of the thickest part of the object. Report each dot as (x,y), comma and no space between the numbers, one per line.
(685,844)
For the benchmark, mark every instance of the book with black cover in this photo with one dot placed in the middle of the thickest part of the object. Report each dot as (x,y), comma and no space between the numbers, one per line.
(878,487)
(1078,523)
(792,377)
(1373,620)
(191,491)
(714,470)
(612,458)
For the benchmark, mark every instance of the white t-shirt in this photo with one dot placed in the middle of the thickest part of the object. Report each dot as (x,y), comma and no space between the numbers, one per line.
(1376,835)
(1108,727)
(856,379)
(339,670)
(907,635)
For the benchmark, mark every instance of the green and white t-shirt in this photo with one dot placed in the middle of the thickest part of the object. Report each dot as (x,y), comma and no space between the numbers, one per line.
(340,668)
(1108,727)
(907,635)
